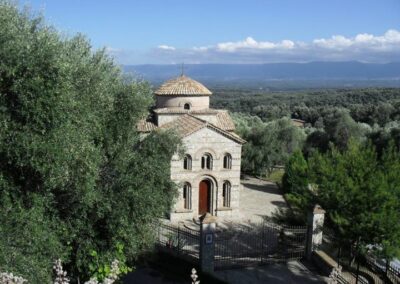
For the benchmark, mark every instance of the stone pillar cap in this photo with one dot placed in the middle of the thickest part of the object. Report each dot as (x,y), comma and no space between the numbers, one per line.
(318,209)
(208,218)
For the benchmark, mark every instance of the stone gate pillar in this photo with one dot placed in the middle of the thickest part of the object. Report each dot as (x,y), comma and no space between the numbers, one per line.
(207,242)
(314,234)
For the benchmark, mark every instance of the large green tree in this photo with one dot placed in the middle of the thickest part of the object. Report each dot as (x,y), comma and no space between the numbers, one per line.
(359,191)
(76,180)
(268,144)
(341,127)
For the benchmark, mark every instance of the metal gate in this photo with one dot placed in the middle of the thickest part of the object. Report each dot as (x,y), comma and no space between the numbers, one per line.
(178,240)
(256,244)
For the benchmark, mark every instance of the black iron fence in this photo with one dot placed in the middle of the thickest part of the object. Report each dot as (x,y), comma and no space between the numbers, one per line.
(258,243)
(179,240)
(388,272)
(364,269)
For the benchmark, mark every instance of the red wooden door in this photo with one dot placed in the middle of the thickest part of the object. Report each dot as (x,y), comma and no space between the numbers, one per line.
(204,197)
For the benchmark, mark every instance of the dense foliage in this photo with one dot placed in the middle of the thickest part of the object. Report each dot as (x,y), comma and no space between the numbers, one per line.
(76,181)
(330,116)
(372,105)
(359,191)
(346,158)
(268,144)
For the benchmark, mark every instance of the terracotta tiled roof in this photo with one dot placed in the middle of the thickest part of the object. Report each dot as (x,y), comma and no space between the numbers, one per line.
(145,126)
(188,124)
(182,86)
(185,125)
(224,121)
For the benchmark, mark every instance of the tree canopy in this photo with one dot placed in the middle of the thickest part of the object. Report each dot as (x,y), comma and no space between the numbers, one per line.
(76,180)
(268,144)
(359,191)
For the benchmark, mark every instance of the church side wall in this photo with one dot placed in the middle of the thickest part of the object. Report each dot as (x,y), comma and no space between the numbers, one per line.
(200,142)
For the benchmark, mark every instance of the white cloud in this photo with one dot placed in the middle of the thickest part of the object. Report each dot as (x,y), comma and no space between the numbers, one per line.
(251,43)
(335,42)
(364,37)
(166,47)
(388,41)
(363,47)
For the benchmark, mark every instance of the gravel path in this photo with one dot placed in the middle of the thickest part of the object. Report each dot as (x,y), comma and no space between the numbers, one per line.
(259,199)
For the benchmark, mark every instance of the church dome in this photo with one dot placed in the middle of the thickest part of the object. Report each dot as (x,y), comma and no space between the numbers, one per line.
(182,86)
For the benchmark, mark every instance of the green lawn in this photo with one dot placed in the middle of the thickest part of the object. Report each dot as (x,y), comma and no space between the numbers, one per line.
(276,176)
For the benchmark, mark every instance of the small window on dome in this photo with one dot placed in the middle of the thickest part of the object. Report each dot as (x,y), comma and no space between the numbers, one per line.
(186,106)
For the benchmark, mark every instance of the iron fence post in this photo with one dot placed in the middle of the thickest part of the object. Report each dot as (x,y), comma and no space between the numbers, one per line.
(158,235)
(179,240)
(262,241)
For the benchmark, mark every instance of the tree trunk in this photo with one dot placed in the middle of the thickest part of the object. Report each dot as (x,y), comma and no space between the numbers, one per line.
(352,255)
(357,256)
(358,270)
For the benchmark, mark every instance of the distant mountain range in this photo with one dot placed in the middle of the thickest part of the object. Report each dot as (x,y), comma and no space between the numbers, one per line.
(313,73)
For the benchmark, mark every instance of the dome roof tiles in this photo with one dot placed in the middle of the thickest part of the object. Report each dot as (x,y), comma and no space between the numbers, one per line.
(182,86)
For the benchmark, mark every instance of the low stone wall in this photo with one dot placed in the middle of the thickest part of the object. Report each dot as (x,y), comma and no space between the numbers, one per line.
(324,261)
(182,215)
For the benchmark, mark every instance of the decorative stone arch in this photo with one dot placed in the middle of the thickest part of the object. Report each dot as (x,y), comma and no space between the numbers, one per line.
(226,193)
(201,151)
(187,195)
(214,189)
(201,177)
(187,162)
(227,161)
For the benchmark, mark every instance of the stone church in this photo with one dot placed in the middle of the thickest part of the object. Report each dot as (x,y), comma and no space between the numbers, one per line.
(208,175)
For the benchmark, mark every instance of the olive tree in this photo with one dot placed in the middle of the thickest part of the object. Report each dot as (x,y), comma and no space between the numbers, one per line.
(76,180)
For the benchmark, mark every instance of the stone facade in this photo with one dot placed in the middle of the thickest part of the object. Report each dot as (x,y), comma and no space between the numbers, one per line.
(200,142)
(178,102)
(209,177)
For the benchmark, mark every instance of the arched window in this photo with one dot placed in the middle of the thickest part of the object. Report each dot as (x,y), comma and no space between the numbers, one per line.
(207,161)
(227,161)
(186,106)
(187,162)
(226,194)
(187,196)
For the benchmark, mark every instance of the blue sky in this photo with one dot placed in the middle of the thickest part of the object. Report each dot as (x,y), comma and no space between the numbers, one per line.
(220,31)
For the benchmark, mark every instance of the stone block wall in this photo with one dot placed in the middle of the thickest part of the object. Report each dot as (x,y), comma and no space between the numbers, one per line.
(207,141)
(177,102)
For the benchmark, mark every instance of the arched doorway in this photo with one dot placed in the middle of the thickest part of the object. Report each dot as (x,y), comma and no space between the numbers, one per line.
(204,197)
